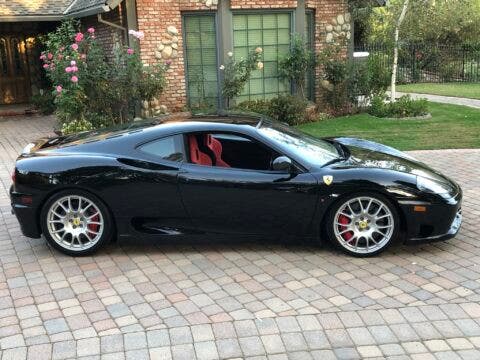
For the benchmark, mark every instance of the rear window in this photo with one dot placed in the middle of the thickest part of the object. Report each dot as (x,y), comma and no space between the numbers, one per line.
(169,148)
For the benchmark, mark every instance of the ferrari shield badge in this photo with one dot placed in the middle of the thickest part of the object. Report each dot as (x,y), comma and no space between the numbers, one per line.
(327,179)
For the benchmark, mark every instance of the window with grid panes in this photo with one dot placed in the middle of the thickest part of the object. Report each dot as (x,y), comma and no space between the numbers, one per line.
(201,59)
(272,32)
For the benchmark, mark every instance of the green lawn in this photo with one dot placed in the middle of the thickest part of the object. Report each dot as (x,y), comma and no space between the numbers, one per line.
(451,127)
(467,90)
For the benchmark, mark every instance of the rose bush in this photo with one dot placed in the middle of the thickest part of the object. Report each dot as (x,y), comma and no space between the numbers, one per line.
(238,72)
(90,91)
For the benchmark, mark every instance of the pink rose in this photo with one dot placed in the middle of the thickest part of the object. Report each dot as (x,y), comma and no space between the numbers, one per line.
(68,69)
(78,37)
(59,88)
(137,34)
(74,79)
(74,69)
(74,47)
(130,51)
(46,66)
(50,56)
(42,57)
(73,63)
(91,30)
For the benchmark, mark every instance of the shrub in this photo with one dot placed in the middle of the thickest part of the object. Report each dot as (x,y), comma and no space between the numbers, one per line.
(378,106)
(289,109)
(296,65)
(89,90)
(402,108)
(256,106)
(76,126)
(44,102)
(238,72)
(338,94)
(285,108)
(408,107)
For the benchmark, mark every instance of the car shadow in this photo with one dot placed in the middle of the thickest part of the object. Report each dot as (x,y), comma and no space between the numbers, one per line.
(136,246)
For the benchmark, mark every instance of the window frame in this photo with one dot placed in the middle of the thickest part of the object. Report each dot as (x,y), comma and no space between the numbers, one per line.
(185,15)
(263,11)
(310,40)
(298,167)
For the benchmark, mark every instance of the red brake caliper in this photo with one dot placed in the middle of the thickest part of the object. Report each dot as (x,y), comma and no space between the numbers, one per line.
(342,219)
(94,227)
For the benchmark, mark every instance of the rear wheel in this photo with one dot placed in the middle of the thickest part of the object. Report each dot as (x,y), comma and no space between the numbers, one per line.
(76,222)
(363,225)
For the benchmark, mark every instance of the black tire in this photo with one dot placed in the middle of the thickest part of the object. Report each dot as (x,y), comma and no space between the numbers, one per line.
(107,230)
(334,235)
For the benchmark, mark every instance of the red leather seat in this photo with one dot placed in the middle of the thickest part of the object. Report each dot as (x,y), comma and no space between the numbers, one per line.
(197,156)
(216,146)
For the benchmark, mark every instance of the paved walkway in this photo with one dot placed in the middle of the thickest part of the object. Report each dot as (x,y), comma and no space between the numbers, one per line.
(474,103)
(140,300)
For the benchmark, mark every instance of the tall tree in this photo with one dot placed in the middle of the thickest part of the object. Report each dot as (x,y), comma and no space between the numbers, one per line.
(429,21)
(398,24)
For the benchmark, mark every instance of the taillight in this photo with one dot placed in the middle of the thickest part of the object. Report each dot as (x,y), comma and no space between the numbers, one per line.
(14,175)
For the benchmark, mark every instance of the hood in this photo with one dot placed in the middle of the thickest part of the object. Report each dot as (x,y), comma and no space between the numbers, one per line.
(369,154)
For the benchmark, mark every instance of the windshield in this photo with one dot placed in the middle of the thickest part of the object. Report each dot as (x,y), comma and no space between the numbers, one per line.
(315,151)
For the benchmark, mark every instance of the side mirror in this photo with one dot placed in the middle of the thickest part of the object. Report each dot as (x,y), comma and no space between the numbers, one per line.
(282,163)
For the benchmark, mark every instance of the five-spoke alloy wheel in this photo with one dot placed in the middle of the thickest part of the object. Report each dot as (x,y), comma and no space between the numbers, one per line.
(363,225)
(75,222)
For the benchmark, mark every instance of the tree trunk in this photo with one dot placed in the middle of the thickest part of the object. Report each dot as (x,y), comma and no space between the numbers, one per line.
(393,91)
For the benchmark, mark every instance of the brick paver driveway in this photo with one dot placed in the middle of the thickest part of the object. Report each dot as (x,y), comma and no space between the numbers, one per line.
(239,300)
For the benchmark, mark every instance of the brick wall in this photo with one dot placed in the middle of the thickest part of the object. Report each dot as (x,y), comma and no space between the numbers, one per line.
(264,4)
(106,34)
(154,16)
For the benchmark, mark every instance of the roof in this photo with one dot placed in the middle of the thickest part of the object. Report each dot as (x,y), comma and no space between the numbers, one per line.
(77,6)
(51,10)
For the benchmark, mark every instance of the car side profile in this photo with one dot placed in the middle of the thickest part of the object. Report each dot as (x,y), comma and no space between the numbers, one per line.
(231,175)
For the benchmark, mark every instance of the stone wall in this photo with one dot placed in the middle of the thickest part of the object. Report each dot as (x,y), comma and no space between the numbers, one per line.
(326,11)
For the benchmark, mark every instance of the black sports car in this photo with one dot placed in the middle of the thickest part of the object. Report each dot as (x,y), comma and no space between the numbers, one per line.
(227,174)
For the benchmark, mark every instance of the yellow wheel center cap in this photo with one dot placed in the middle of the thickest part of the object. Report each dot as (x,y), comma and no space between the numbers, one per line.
(76,221)
(363,225)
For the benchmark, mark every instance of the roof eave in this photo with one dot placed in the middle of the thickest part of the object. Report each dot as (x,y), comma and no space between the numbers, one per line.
(88,12)
(32,18)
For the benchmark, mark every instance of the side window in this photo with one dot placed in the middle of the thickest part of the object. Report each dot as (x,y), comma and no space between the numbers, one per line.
(169,148)
(229,151)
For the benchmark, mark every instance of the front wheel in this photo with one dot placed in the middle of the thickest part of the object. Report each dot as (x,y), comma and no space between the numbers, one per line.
(76,222)
(363,225)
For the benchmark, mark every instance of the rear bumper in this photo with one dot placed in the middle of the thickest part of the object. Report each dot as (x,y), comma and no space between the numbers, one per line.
(26,215)
(440,221)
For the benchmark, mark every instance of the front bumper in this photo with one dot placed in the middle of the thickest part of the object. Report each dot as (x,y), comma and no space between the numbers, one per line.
(440,221)
(451,233)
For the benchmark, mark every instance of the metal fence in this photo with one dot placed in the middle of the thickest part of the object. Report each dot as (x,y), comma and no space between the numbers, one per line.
(430,63)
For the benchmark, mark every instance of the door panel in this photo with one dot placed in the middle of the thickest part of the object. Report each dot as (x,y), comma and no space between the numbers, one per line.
(247,202)
(14,80)
(144,195)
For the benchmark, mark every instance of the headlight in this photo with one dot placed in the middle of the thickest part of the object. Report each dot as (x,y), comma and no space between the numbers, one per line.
(28,148)
(433,186)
